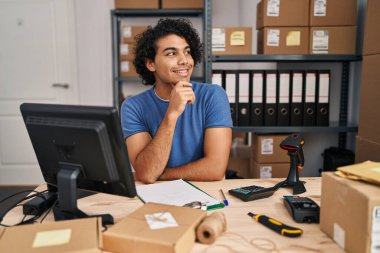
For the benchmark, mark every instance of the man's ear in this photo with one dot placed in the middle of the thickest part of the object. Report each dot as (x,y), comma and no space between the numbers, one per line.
(150,65)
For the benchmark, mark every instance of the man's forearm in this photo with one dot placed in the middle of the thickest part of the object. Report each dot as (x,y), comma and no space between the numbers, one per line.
(204,169)
(151,162)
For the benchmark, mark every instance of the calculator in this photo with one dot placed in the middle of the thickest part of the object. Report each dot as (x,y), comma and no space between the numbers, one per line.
(253,192)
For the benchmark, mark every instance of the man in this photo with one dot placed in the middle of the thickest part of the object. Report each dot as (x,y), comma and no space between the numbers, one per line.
(177,129)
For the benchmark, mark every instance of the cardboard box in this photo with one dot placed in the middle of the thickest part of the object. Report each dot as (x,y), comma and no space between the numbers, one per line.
(333,40)
(240,165)
(231,40)
(128,33)
(266,149)
(366,150)
(134,233)
(126,51)
(333,12)
(81,235)
(369,121)
(127,69)
(182,4)
(371,30)
(350,213)
(286,13)
(133,4)
(269,170)
(283,40)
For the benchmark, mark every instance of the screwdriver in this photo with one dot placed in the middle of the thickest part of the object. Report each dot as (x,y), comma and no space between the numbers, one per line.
(276,226)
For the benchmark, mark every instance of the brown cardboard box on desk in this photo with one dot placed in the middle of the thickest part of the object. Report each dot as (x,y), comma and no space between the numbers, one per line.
(154,228)
(350,213)
(81,235)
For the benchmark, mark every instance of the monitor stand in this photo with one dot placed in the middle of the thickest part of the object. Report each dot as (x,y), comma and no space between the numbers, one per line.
(66,208)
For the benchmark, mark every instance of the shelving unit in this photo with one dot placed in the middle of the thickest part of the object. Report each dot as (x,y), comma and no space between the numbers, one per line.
(117,15)
(340,127)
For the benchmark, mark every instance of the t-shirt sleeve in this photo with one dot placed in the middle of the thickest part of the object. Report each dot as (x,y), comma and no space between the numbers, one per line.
(218,108)
(131,119)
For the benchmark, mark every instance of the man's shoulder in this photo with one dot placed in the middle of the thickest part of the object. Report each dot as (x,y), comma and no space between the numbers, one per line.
(137,100)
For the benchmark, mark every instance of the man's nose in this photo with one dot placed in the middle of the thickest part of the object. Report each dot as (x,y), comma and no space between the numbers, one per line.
(182,60)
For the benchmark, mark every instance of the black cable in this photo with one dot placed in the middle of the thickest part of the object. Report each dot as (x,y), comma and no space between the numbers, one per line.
(26,191)
(48,211)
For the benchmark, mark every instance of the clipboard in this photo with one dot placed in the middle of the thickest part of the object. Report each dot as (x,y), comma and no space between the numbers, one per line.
(184,193)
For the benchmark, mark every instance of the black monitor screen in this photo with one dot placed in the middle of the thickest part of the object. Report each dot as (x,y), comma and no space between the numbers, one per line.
(87,139)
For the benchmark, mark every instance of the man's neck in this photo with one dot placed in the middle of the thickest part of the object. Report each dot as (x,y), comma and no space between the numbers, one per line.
(163,90)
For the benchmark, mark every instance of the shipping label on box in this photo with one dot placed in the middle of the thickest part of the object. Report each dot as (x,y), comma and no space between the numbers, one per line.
(320,8)
(320,42)
(273,38)
(218,39)
(273,9)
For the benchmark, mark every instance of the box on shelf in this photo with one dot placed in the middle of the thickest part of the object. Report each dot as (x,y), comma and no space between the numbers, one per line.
(127,69)
(283,40)
(285,13)
(81,235)
(182,4)
(372,31)
(126,51)
(366,150)
(266,149)
(240,155)
(133,4)
(369,122)
(269,170)
(143,230)
(350,213)
(333,40)
(333,12)
(128,33)
(231,40)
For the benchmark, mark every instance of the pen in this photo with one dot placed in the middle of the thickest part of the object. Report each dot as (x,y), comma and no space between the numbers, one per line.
(225,201)
(276,226)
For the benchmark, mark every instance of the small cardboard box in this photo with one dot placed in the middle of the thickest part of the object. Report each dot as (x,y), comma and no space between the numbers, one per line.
(269,170)
(133,4)
(283,40)
(333,12)
(126,51)
(371,30)
(174,230)
(350,213)
(282,13)
(127,69)
(366,150)
(369,121)
(333,40)
(182,4)
(266,149)
(81,235)
(128,33)
(231,40)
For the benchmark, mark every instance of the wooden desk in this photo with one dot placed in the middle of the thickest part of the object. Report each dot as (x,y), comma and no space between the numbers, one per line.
(313,239)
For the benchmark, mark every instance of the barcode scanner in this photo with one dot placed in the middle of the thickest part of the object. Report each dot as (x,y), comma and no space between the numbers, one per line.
(293,144)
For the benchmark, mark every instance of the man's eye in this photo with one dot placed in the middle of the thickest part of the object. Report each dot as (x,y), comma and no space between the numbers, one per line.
(188,52)
(170,53)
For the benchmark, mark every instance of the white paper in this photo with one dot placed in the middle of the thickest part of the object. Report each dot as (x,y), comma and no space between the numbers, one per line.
(310,88)
(218,40)
(265,171)
(319,8)
(176,192)
(160,220)
(243,88)
(375,238)
(124,49)
(267,146)
(273,9)
(297,88)
(273,38)
(127,32)
(231,87)
(323,96)
(124,66)
(271,89)
(257,96)
(339,235)
(284,88)
(217,79)
(320,42)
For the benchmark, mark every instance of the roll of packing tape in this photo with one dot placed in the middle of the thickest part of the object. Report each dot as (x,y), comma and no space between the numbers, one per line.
(211,228)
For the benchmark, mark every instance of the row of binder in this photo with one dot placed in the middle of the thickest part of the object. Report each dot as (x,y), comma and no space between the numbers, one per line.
(276,97)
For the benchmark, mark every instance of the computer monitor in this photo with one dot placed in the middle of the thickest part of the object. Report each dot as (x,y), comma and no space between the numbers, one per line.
(79,147)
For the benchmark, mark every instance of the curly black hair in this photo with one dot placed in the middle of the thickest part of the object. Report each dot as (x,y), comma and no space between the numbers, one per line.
(146,44)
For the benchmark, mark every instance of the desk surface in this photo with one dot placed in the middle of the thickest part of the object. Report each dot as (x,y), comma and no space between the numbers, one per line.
(313,239)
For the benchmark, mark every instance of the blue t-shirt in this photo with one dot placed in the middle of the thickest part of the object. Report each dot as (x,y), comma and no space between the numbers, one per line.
(144,113)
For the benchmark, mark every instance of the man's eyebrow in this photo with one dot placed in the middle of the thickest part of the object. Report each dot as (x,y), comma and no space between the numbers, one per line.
(174,48)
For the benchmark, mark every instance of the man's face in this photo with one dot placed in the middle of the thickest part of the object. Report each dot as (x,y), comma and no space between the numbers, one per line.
(173,61)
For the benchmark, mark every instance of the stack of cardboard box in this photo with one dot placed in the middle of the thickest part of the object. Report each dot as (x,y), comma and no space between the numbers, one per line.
(231,40)
(333,26)
(128,34)
(368,139)
(306,26)
(268,160)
